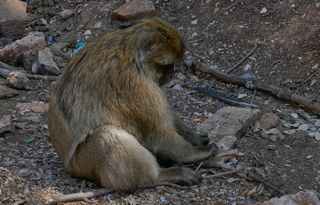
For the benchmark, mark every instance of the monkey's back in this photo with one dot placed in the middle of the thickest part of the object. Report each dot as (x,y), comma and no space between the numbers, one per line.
(107,83)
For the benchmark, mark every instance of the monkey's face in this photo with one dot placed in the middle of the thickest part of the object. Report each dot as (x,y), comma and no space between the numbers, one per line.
(166,73)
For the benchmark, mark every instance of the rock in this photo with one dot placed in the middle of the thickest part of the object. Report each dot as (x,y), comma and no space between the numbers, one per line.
(227,124)
(34,107)
(134,9)
(57,48)
(65,14)
(33,42)
(6,92)
(43,63)
(195,22)
(87,32)
(303,127)
(13,17)
(181,76)
(6,124)
(269,120)
(18,80)
(302,197)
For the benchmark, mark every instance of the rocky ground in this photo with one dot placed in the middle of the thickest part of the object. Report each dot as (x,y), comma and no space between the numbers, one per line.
(281,150)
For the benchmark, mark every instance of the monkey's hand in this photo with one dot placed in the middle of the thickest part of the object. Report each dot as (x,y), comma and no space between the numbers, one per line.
(179,175)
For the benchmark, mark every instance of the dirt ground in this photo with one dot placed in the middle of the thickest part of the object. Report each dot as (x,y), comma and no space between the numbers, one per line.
(221,33)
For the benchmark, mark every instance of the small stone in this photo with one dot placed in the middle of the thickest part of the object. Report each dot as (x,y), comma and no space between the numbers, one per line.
(195,22)
(67,13)
(317,123)
(194,34)
(263,10)
(273,138)
(294,115)
(271,147)
(97,25)
(19,80)
(181,76)
(13,17)
(6,124)
(87,32)
(178,87)
(134,9)
(6,92)
(247,68)
(317,5)
(269,120)
(43,64)
(289,132)
(303,127)
(317,136)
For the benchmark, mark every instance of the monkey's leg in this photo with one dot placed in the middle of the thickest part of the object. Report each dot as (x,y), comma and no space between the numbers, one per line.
(188,134)
(113,158)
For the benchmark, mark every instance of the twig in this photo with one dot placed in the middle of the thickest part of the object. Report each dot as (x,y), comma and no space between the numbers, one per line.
(231,5)
(311,75)
(9,67)
(82,185)
(237,64)
(198,167)
(5,73)
(81,196)
(305,116)
(221,174)
(75,12)
(110,15)
(42,77)
(265,183)
(273,10)
(253,96)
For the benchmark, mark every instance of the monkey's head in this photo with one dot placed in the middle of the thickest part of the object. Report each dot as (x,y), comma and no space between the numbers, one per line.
(161,45)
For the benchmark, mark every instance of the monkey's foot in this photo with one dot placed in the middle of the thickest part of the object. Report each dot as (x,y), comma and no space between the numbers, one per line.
(179,175)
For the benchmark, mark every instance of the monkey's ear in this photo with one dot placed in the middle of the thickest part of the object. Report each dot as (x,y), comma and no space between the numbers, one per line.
(152,42)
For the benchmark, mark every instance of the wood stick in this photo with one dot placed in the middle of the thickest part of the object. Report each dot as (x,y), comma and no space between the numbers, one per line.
(265,183)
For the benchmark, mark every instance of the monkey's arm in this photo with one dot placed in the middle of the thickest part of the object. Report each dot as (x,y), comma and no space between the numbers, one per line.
(183,130)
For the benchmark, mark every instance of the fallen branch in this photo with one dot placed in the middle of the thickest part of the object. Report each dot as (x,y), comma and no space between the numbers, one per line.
(258,85)
(5,73)
(9,67)
(222,174)
(83,196)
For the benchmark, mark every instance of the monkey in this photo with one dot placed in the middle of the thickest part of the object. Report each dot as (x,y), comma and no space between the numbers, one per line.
(109,119)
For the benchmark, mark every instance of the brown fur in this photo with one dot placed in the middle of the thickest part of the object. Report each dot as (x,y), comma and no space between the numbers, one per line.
(109,120)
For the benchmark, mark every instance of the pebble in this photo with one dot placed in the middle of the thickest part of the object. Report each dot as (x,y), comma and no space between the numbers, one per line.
(178,87)
(87,32)
(303,127)
(195,22)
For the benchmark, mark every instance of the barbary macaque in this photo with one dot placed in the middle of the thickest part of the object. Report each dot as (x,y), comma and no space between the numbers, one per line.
(109,119)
